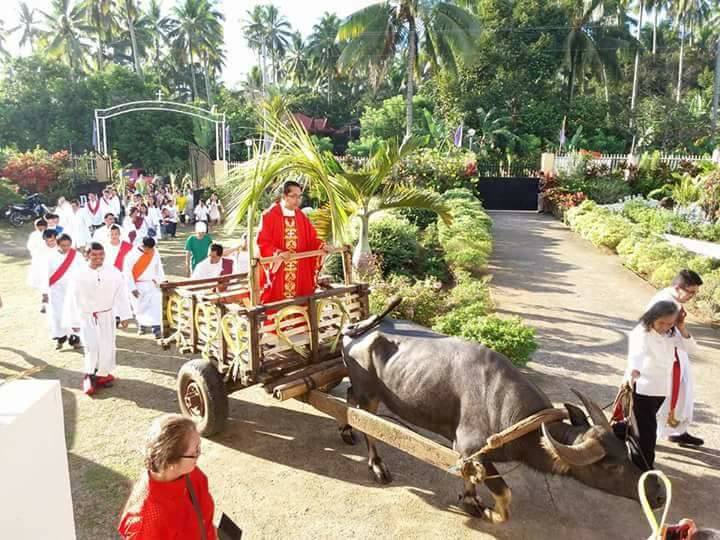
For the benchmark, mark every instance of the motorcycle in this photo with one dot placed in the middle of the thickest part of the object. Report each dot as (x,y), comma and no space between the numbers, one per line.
(31,209)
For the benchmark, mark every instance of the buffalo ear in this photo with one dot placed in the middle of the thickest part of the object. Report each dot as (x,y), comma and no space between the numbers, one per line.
(577,416)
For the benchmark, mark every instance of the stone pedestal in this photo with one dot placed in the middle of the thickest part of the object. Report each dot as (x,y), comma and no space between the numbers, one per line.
(35,498)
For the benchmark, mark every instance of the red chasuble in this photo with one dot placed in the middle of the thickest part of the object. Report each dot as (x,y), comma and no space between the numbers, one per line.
(295,234)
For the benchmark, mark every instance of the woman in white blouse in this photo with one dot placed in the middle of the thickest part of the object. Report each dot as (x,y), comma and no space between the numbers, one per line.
(650,358)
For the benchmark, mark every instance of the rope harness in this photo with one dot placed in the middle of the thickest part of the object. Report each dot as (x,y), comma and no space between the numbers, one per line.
(498,440)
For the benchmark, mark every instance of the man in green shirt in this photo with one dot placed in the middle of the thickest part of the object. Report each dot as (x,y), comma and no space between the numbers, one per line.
(196,247)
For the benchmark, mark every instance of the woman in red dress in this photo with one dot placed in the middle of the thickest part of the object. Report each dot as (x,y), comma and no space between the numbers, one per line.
(171,498)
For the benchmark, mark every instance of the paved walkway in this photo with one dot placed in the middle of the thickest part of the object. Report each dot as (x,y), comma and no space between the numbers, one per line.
(583,302)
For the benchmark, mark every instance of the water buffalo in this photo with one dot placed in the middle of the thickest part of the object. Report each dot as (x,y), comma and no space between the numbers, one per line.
(467,392)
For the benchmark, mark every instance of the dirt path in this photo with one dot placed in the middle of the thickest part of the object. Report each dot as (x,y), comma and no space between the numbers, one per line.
(583,302)
(281,470)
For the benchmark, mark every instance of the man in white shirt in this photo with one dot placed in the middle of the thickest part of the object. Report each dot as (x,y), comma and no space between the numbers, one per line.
(135,226)
(214,266)
(97,294)
(676,413)
(79,227)
(102,234)
(146,275)
(61,266)
(110,203)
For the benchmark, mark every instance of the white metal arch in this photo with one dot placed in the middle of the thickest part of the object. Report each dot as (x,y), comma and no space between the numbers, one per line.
(101,115)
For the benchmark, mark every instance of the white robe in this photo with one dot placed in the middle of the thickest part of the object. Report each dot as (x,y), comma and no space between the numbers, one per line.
(129,226)
(36,246)
(685,407)
(154,219)
(79,228)
(147,307)
(206,269)
(95,219)
(93,300)
(102,235)
(58,290)
(110,206)
(37,278)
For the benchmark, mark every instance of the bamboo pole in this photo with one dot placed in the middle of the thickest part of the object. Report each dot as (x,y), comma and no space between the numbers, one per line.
(388,432)
(271,385)
(316,380)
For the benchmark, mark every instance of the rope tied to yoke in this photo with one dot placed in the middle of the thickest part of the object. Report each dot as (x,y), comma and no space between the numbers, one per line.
(517,430)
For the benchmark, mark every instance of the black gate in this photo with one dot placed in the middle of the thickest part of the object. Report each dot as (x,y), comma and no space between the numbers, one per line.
(513,193)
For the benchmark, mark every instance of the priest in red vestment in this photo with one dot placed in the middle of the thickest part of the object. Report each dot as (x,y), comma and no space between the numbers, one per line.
(284,230)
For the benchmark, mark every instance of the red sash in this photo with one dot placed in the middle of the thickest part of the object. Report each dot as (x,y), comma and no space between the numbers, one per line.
(125,248)
(676,373)
(60,272)
(227,267)
(137,222)
(93,211)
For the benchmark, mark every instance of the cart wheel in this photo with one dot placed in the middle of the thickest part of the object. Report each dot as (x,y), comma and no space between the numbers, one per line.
(202,396)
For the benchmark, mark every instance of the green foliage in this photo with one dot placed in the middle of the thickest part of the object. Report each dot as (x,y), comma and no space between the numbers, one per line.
(467,241)
(324,144)
(387,121)
(8,195)
(510,336)
(440,171)
(395,242)
(598,225)
(421,299)
(595,182)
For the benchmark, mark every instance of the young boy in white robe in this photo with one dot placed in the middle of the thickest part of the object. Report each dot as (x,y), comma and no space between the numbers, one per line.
(79,226)
(34,245)
(97,293)
(39,277)
(62,264)
(146,273)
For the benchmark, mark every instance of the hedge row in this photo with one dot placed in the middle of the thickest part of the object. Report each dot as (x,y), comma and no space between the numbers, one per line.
(646,252)
(465,310)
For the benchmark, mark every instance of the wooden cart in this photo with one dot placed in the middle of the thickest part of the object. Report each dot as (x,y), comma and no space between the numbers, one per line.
(291,347)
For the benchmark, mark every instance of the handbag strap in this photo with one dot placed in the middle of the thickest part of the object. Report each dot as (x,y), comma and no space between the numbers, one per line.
(196,506)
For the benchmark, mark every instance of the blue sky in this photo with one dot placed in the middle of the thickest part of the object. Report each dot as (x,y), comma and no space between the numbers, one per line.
(302,14)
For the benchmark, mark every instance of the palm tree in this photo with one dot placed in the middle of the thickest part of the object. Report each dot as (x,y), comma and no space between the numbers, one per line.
(28,25)
(3,36)
(641,12)
(492,130)
(131,15)
(713,27)
(687,12)
(101,19)
(655,6)
(444,31)
(277,35)
(194,21)
(254,30)
(325,50)
(296,60)
(160,26)
(593,42)
(65,30)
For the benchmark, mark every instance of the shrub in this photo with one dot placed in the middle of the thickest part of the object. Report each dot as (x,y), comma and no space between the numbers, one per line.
(422,300)
(440,171)
(467,241)
(395,242)
(600,226)
(8,194)
(432,262)
(510,336)
(35,170)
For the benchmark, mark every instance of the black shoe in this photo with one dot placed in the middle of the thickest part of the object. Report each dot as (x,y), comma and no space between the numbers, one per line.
(687,439)
(59,342)
(74,341)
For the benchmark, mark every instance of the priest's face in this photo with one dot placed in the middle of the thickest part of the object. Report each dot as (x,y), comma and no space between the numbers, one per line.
(293,198)
(97,258)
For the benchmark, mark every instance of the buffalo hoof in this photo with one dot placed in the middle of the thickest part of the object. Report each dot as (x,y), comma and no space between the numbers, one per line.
(348,435)
(472,505)
(380,472)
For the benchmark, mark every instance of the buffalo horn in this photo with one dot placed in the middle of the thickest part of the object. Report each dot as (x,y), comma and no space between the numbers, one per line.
(594,410)
(578,455)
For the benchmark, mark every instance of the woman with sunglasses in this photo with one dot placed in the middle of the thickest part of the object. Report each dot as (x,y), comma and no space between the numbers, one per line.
(651,351)
(171,499)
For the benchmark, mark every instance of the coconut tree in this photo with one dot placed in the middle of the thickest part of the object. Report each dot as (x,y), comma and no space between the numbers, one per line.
(65,28)
(593,42)
(690,13)
(28,25)
(277,37)
(100,18)
(131,14)
(324,50)
(159,25)
(297,64)
(254,30)
(492,130)
(3,37)
(192,22)
(443,31)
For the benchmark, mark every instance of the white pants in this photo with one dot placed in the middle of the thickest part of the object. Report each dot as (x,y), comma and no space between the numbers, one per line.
(98,337)
(56,297)
(148,306)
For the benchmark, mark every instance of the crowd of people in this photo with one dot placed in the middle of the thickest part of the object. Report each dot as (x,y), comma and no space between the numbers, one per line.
(97,266)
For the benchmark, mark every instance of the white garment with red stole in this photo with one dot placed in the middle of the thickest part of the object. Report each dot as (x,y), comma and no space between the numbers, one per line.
(685,406)
(93,300)
(59,276)
(148,305)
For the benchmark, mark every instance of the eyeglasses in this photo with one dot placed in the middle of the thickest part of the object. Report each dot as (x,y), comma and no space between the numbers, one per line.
(196,456)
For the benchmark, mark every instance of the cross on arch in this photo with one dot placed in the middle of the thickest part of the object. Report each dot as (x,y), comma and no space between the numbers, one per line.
(159,95)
